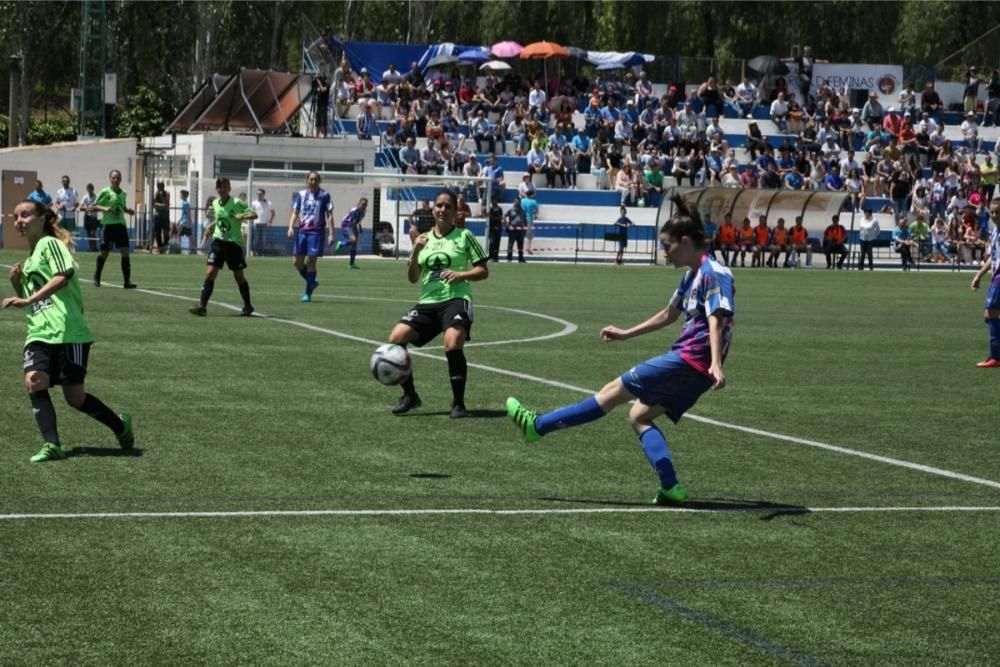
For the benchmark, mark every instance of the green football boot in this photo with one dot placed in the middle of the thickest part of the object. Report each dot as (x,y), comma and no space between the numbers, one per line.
(675,495)
(524,419)
(50,451)
(126,439)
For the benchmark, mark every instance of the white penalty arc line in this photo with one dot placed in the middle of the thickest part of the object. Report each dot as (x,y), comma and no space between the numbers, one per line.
(255,514)
(940,472)
(705,420)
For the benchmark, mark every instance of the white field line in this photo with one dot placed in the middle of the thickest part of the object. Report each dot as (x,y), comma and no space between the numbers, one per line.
(253,514)
(706,420)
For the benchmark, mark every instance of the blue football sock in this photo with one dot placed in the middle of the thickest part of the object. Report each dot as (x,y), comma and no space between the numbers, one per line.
(655,447)
(583,412)
(302,272)
(310,281)
(994,328)
(354,253)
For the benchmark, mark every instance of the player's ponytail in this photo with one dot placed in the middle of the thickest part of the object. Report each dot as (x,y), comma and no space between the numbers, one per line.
(50,223)
(684,222)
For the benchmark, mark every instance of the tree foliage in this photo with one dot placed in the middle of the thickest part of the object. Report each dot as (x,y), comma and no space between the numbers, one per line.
(169,48)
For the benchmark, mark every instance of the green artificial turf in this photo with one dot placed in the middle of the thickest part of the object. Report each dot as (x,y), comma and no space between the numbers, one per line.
(280,414)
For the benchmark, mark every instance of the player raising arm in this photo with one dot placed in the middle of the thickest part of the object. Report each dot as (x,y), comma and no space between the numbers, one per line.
(59,340)
(672,382)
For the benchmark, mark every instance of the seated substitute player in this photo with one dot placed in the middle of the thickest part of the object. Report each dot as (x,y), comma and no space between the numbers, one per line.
(761,241)
(779,244)
(444,260)
(228,215)
(727,239)
(350,230)
(59,340)
(992,313)
(669,383)
(746,237)
(312,208)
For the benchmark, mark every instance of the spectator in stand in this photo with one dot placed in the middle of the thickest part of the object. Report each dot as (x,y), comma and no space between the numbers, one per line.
(930,102)
(644,92)
(992,115)
(495,173)
(745,238)
(900,187)
(970,132)
(988,177)
(855,189)
(365,122)
(535,161)
(907,100)
(746,97)
(903,244)
(711,97)
(320,105)
(731,179)
(554,165)
(653,177)
(920,233)
(830,151)
(582,148)
(430,159)
(940,244)
(794,180)
(833,181)
(727,239)
(756,143)
(868,231)
(625,186)
(834,242)
(771,178)
(971,93)
(410,159)
(623,134)
(526,188)
(483,131)
(761,240)
(538,102)
(872,112)
(713,167)
(779,112)
(892,122)
(365,86)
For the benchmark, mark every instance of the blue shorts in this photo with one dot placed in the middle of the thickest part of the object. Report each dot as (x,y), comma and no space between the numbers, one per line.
(346,232)
(993,295)
(667,380)
(309,244)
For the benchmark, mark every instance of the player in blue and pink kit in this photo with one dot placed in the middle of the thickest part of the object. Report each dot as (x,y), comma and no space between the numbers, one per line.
(350,230)
(992,263)
(672,382)
(312,208)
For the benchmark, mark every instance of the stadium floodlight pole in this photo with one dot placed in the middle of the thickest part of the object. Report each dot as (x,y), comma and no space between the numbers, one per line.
(14,67)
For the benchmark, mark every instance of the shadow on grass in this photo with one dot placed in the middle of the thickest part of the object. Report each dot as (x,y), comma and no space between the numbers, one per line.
(473,414)
(430,475)
(102,451)
(773,510)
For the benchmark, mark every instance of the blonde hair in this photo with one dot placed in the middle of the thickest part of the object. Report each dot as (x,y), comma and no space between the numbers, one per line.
(50,223)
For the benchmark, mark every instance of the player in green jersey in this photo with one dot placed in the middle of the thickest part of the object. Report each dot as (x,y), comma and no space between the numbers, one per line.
(111,202)
(445,260)
(59,340)
(226,231)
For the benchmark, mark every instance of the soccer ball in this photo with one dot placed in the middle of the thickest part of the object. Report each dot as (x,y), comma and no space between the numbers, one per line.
(391,364)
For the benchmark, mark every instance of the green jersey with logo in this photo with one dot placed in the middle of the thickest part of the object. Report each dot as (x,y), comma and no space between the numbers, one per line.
(457,251)
(115,201)
(227,226)
(58,318)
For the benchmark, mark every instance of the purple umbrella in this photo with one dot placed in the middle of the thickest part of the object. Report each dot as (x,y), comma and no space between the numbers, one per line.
(506,49)
(473,57)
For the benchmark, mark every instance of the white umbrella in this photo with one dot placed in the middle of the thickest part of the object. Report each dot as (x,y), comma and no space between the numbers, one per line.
(495,64)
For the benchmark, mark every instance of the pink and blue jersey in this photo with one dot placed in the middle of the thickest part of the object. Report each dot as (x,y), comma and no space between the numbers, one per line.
(352,221)
(312,209)
(993,249)
(709,290)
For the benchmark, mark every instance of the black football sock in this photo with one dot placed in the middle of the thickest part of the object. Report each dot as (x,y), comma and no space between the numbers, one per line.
(127,269)
(457,371)
(45,415)
(245,293)
(100,266)
(95,408)
(206,291)
(408,388)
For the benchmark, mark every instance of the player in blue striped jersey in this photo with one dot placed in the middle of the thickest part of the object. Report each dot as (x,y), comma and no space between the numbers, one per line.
(992,263)
(350,230)
(312,209)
